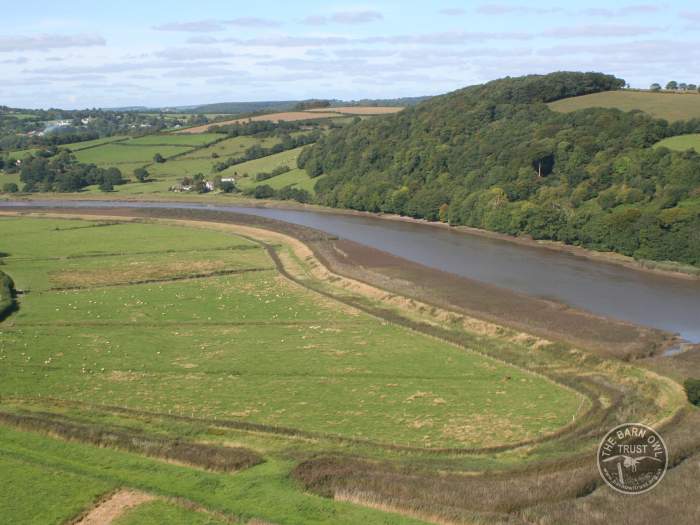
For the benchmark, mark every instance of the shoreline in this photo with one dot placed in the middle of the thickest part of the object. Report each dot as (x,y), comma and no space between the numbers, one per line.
(538,316)
(612,258)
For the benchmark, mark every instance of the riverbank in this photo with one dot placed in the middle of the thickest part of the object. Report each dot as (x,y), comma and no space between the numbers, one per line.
(491,304)
(663,268)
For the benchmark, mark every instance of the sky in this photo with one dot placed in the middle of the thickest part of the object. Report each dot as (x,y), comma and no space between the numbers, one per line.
(78,54)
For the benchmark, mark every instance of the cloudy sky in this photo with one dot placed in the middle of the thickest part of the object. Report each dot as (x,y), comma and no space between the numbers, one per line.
(84,53)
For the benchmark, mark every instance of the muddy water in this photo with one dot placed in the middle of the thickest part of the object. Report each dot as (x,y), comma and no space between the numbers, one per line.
(664,302)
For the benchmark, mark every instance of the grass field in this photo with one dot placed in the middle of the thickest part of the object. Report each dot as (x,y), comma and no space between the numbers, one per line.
(321,369)
(682,142)
(265,492)
(190,333)
(77,146)
(41,494)
(176,140)
(248,170)
(669,106)
(296,178)
(287,116)
(123,154)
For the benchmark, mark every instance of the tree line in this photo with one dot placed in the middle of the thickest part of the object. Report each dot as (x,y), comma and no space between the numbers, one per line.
(63,173)
(675,86)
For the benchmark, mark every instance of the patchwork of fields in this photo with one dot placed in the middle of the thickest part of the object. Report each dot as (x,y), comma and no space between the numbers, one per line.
(134,335)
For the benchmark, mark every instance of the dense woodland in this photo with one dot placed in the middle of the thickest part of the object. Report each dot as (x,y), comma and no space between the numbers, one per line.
(495,156)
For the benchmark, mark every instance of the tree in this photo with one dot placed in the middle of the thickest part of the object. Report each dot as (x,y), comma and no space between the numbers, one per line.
(106,185)
(692,87)
(227,186)
(655,87)
(683,86)
(263,192)
(692,390)
(10,187)
(158,158)
(672,85)
(141,174)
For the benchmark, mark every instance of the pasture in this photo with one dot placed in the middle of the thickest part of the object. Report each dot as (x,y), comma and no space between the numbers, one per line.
(669,106)
(175,140)
(165,318)
(118,154)
(188,332)
(681,142)
(250,168)
(287,116)
(296,178)
(77,146)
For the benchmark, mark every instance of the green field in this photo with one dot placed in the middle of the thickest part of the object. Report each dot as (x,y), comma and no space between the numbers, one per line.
(181,321)
(123,154)
(46,481)
(42,494)
(77,146)
(190,334)
(176,140)
(296,178)
(313,366)
(669,106)
(682,142)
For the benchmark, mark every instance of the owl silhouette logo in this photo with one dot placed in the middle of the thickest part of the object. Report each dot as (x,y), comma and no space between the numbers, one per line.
(632,458)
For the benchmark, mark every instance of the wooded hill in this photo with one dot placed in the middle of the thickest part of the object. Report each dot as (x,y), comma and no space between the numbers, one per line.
(495,156)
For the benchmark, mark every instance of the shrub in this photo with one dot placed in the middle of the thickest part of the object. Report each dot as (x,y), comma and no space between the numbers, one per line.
(7,295)
(10,187)
(263,192)
(692,390)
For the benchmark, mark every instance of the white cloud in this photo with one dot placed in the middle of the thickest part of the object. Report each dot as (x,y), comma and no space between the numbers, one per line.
(505,9)
(344,17)
(48,42)
(452,11)
(213,26)
(599,31)
(191,53)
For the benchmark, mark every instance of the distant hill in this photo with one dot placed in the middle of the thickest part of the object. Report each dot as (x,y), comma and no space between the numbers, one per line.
(495,156)
(669,106)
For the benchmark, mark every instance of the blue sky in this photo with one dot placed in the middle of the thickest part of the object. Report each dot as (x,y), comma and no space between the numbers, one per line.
(85,53)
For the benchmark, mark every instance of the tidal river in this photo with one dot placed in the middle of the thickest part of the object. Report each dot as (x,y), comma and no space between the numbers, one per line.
(664,302)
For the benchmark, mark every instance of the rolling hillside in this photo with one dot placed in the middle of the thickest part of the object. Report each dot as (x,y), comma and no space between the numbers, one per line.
(495,156)
(669,106)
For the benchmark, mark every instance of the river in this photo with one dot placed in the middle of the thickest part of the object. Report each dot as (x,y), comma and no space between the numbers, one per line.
(645,298)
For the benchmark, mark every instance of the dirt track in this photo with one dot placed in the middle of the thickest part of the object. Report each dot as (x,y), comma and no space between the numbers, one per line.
(110,509)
